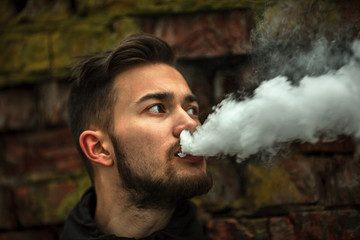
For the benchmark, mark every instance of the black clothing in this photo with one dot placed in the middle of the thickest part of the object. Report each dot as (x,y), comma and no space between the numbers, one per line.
(80,224)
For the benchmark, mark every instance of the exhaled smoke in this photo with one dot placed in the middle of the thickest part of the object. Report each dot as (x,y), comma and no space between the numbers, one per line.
(279,111)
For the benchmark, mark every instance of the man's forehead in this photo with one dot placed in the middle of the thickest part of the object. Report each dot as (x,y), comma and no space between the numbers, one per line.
(150,79)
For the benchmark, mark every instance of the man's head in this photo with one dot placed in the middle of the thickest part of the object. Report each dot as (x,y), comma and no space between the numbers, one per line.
(127,109)
(93,96)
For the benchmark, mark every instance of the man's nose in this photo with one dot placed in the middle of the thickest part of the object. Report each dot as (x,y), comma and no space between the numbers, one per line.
(184,121)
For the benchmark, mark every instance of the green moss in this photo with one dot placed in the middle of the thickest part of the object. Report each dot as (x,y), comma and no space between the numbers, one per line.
(39,42)
(83,39)
(49,208)
(271,186)
(294,20)
(44,12)
(7,10)
(35,55)
(180,6)
(12,47)
(150,7)
(63,210)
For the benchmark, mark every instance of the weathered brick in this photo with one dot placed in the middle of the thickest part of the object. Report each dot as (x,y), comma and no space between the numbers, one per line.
(36,53)
(228,229)
(28,234)
(48,202)
(304,175)
(330,225)
(84,6)
(38,106)
(344,144)
(271,186)
(44,10)
(96,34)
(7,209)
(343,181)
(197,76)
(257,226)
(225,193)
(286,21)
(180,6)
(68,44)
(350,17)
(17,109)
(204,34)
(53,103)
(39,152)
(12,47)
(7,10)
(281,228)
(331,181)
(153,7)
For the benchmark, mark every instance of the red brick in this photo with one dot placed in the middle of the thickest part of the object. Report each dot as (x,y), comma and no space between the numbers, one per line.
(204,34)
(17,109)
(52,102)
(281,228)
(40,204)
(28,235)
(329,225)
(26,108)
(343,181)
(257,226)
(28,152)
(228,229)
(305,176)
(326,180)
(350,16)
(226,190)
(272,187)
(344,144)
(7,209)
(198,79)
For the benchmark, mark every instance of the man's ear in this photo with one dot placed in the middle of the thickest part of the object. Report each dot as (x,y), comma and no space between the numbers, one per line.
(96,147)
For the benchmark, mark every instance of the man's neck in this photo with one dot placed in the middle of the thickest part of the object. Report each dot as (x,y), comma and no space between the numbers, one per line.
(114,214)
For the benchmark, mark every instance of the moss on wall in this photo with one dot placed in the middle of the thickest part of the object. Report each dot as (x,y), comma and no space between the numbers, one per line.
(69,201)
(271,186)
(39,41)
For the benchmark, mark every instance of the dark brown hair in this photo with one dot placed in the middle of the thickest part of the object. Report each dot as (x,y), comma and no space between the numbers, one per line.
(92,95)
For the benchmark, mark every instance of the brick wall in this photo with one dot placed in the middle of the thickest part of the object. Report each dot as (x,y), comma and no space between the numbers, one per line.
(311,192)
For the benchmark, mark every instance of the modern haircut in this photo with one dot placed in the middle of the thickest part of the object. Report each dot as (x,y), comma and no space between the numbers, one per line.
(92,94)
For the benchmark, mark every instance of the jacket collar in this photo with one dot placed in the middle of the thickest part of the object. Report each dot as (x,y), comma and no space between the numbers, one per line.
(80,224)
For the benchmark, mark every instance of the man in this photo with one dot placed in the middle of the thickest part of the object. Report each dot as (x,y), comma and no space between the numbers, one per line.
(127,109)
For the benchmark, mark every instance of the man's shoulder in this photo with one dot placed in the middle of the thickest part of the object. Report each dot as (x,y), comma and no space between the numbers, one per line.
(80,224)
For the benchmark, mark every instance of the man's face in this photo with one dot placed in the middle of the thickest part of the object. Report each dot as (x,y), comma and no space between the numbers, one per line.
(154,104)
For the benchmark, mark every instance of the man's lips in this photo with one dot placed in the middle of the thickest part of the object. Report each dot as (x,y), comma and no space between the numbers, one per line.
(189,157)
(194,158)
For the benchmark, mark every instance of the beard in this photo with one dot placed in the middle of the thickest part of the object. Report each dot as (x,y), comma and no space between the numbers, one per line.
(149,192)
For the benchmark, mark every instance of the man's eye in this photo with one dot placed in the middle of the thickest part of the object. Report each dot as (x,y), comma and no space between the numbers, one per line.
(158,108)
(192,111)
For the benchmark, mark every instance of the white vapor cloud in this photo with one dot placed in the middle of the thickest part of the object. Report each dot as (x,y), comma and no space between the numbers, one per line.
(318,106)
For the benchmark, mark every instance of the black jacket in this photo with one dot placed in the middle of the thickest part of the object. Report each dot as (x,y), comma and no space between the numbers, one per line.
(80,224)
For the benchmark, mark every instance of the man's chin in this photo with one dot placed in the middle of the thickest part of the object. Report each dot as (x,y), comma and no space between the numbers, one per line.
(176,189)
(194,183)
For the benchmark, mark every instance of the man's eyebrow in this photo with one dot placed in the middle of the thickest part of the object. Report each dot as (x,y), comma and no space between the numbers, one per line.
(165,96)
(162,96)
(191,98)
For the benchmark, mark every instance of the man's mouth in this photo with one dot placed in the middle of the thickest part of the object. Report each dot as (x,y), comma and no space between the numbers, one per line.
(181,154)
(189,157)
